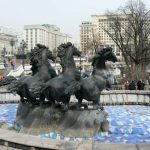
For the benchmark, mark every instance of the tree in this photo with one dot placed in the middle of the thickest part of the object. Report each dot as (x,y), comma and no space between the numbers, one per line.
(129,28)
(94,43)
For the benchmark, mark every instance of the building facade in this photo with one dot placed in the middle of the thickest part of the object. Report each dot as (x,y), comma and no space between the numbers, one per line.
(94,31)
(48,35)
(86,28)
(8,45)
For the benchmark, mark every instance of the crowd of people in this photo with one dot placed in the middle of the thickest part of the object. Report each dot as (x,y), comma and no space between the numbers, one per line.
(135,85)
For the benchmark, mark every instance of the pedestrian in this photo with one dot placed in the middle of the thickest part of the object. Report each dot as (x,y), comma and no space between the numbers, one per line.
(1,76)
(13,63)
(139,83)
(126,85)
(132,85)
(142,85)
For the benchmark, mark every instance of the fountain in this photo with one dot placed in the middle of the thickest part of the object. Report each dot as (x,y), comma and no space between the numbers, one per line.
(45,97)
(46,109)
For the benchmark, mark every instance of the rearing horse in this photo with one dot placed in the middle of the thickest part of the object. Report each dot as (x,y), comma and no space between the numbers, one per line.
(63,86)
(29,87)
(92,86)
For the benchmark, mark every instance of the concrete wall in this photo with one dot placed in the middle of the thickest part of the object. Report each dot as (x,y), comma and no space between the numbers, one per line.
(122,97)
(17,141)
(118,97)
(112,97)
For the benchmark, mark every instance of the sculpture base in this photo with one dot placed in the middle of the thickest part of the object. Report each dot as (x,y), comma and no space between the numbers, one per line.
(74,123)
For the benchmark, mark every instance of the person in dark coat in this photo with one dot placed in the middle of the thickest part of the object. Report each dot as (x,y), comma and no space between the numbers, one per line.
(139,83)
(132,86)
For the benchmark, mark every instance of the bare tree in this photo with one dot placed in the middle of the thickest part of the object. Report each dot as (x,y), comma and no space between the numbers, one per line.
(129,28)
(94,42)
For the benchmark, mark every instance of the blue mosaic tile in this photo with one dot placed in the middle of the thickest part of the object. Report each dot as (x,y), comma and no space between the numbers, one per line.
(128,124)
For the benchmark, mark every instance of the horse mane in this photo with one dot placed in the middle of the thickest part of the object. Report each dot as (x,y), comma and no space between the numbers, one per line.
(100,54)
(62,48)
(38,50)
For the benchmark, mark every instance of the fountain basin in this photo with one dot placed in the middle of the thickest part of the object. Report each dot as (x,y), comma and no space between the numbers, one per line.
(71,123)
(127,124)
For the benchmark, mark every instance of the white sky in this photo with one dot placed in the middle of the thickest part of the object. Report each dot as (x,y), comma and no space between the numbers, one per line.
(66,14)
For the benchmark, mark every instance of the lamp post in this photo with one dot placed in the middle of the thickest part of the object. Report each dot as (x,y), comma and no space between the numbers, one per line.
(3,55)
(12,43)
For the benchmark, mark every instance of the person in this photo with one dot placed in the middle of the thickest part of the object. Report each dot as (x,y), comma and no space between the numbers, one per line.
(139,83)
(126,85)
(13,63)
(142,85)
(132,85)
(1,76)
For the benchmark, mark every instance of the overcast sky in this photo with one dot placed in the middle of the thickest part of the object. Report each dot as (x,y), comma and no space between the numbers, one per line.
(66,14)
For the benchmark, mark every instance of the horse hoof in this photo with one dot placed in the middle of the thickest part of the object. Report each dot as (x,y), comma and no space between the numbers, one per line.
(65,108)
(85,106)
(101,108)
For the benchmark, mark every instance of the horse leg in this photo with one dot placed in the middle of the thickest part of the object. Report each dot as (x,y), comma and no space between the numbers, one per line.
(21,97)
(42,99)
(78,106)
(96,104)
(79,97)
(66,104)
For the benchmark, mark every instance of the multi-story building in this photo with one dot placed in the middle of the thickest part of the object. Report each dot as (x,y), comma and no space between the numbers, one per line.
(95,30)
(48,35)
(86,28)
(8,45)
(102,22)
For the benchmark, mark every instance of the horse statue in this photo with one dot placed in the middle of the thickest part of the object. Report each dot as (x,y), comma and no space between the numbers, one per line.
(100,79)
(29,87)
(64,85)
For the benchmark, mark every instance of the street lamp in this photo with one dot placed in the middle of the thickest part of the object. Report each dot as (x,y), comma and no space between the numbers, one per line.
(12,43)
(21,52)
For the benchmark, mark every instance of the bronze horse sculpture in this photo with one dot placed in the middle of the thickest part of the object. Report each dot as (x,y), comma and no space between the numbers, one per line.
(29,87)
(60,88)
(100,79)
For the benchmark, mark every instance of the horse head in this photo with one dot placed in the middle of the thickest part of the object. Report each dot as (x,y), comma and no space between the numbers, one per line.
(107,54)
(66,53)
(50,55)
(75,50)
(64,49)
(40,54)
(39,57)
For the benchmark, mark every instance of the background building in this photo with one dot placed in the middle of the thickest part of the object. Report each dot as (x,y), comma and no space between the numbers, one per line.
(8,42)
(86,28)
(93,37)
(48,35)
(8,45)
(94,32)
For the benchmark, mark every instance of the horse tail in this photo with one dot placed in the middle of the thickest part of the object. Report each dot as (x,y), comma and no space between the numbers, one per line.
(7,80)
(14,86)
